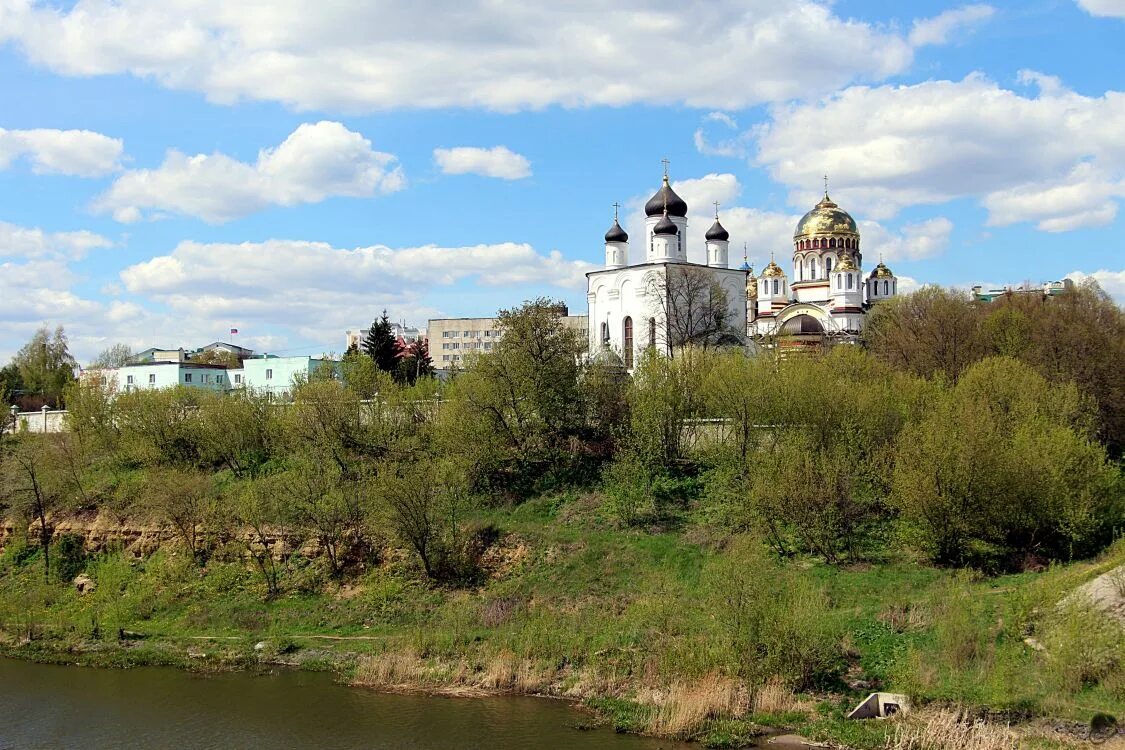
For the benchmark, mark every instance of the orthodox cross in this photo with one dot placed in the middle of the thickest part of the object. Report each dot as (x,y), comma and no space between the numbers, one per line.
(665,162)
(716,210)
(825,184)
(616,206)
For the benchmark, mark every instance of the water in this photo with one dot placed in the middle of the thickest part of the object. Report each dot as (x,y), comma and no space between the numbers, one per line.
(45,706)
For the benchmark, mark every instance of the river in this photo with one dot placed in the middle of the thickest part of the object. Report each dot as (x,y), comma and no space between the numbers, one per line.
(59,707)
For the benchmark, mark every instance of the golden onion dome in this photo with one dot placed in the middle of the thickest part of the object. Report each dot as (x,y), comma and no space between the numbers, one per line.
(826,218)
(882,272)
(772,271)
(751,283)
(846,264)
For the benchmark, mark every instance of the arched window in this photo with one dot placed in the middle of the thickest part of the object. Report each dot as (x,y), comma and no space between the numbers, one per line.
(886,287)
(839,281)
(652,332)
(832,244)
(775,286)
(827,266)
(812,268)
(605,333)
(849,280)
(799,270)
(627,342)
(765,287)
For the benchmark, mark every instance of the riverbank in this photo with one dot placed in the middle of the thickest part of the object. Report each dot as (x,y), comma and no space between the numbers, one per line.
(635,625)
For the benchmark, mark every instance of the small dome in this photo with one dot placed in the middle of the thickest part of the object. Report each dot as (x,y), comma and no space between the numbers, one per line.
(616,233)
(746,267)
(882,272)
(772,271)
(717,232)
(826,218)
(751,285)
(846,264)
(801,325)
(664,226)
(608,358)
(666,198)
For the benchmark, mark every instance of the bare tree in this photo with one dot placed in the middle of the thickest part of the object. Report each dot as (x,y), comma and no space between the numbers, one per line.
(37,484)
(692,308)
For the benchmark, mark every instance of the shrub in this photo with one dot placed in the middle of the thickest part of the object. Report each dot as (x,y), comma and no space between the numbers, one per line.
(70,556)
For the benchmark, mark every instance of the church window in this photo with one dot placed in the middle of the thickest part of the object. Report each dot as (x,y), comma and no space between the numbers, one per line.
(832,244)
(839,281)
(827,266)
(627,342)
(812,268)
(849,280)
(652,332)
(775,286)
(886,287)
(605,333)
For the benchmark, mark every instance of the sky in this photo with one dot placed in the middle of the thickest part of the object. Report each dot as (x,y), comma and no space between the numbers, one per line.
(171,171)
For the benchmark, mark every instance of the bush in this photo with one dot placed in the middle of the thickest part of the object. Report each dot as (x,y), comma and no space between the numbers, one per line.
(70,556)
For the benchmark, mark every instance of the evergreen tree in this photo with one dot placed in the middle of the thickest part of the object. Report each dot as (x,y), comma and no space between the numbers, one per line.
(380,344)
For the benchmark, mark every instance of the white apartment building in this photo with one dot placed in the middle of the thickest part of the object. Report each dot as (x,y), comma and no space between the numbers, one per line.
(451,339)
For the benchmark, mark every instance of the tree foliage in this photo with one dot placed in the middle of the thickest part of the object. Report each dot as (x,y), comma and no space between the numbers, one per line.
(380,344)
(45,365)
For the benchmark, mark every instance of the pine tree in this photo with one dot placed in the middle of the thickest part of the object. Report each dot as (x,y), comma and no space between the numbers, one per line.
(380,344)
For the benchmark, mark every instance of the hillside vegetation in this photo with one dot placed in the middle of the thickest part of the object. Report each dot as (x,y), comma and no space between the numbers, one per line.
(717,544)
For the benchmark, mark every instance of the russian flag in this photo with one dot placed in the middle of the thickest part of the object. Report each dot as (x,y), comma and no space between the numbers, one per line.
(233,331)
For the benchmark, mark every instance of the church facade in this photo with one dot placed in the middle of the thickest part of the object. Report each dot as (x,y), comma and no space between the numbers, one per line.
(651,296)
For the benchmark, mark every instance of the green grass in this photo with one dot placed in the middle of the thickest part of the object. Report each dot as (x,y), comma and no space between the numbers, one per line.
(631,608)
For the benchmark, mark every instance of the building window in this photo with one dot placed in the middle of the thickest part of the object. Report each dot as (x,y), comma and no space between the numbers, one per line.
(238,378)
(839,281)
(605,333)
(775,286)
(849,280)
(187,378)
(886,287)
(128,380)
(152,379)
(812,268)
(627,342)
(827,266)
(269,374)
(104,381)
(652,332)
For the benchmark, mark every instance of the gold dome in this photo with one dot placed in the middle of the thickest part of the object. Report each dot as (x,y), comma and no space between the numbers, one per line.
(826,218)
(772,271)
(881,272)
(846,264)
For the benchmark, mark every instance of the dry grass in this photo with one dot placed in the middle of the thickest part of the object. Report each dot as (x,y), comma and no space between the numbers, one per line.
(686,707)
(905,618)
(406,671)
(950,730)
(775,697)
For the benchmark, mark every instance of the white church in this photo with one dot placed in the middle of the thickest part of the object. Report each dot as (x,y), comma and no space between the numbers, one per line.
(824,301)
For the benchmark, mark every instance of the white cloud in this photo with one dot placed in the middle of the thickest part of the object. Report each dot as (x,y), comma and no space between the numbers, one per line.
(718,135)
(725,54)
(925,239)
(80,153)
(1105,8)
(497,161)
(940,28)
(937,141)
(25,242)
(1113,282)
(315,162)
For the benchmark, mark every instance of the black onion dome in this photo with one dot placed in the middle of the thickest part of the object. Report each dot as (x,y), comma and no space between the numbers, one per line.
(717,232)
(664,226)
(666,197)
(616,233)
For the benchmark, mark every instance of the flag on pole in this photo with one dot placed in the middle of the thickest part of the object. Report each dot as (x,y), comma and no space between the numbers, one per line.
(233,331)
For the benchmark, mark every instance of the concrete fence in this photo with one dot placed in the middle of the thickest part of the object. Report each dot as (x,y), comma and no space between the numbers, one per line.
(45,420)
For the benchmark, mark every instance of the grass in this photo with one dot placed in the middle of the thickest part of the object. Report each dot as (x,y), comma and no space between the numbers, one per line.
(658,633)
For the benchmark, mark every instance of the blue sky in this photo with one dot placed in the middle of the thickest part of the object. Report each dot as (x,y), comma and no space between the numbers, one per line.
(171,170)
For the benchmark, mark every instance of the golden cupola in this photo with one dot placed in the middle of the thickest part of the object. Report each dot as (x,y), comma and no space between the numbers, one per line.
(825,218)
(772,271)
(882,272)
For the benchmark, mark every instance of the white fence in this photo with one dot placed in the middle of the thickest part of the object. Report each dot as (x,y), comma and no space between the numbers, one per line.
(46,420)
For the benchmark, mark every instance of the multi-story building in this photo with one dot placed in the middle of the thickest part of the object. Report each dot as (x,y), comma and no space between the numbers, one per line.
(451,339)
(268,374)
(1047,289)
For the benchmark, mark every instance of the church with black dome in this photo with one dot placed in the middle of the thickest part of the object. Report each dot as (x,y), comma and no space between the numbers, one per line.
(823,300)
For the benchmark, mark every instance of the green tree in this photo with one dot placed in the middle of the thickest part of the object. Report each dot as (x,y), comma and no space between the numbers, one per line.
(45,365)
(117,355)
(37,485)
(257,512)
(380,344)
(240,431)
(1002,467)
(185,500)
(329,506)
(11,383)
(514,411)
(363,376)
(932,330)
